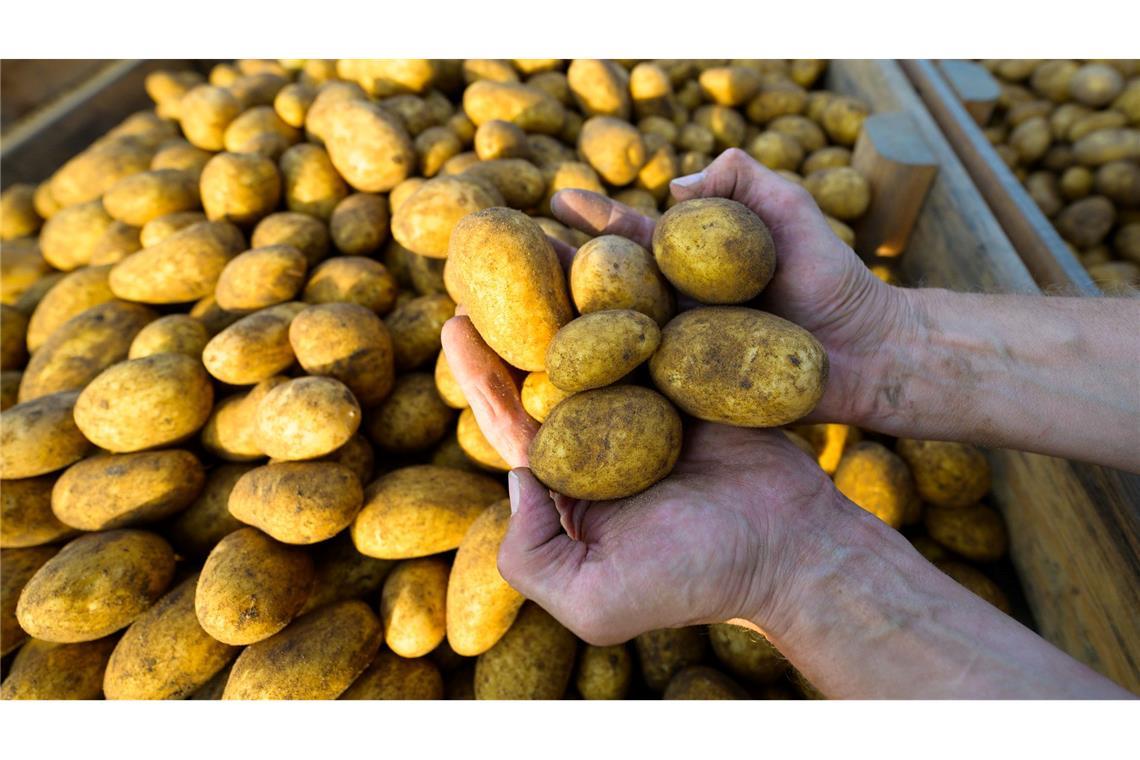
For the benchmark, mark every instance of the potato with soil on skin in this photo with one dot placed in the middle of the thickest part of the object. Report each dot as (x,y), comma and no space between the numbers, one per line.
(144,403)
(181,155)
(533,660)
(421,510)
(96,585)
(21,268)
(519,181)
(347,342)
(344,573)
(369,147)
(198,528)
(481,605)
(415,327)
(976,532)
(613,147)
(165,654)
(240,188)
(1086,222)
(412,606)
(231,431)
(310,182)
(393,677)
(204,113)
(540,396)
(17,566)
(290,228)
(600,87)
(604,672)
(125,490)
(157,230)
(75,293)
(45,670)
(298,502)
(254,348)
(612,272)
(600,348)
(423,223)
(476,446)
(26,518)
(740,367)
(665,651)
(700,682)
(68,239)
(877,480)
(714,250)
(946,474)
(528,108)
(412,418)
(176,333)
(359,224)
(504,271)
(260,131)
(352,279)
(607,444)
(567,175)
(500,139)
(119,241)
(746,653)
(446,384)
(316,657)
(183,267)
(306,417)
(260,278)
(141,197)
(1105,146)
(91,173)
(18,217)
(40,436)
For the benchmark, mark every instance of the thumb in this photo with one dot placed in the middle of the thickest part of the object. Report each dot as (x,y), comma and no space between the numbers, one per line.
(532,551)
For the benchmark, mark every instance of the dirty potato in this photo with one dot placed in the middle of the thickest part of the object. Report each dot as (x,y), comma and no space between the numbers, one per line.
(423,223)
(412,606)
(600,348)
(946,474)
(40,436)
(306,417)
(534,660)
(877,480)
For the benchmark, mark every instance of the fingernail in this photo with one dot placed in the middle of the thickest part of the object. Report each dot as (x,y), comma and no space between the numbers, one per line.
(513,490)
(689,180)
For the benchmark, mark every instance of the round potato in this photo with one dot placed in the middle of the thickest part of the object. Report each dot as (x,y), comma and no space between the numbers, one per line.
(975,532)
(946,474)
(181,155)
(776,150)
(204,113)
(359,224)
(1095,84)
(183,267)
(40,436)
(240,188)
(540,396)
(259,130)
(877,480)
(369,147)
(415,326)
(600,348)
(612,272)
(18,217)
(290,228)
(68,239)
(305,418)
(613,147)
(746,653)
(533,660)
(96,585)
(1119,181)
(393,677)
(293,101)
(604,672)
(831,157)
(666,651)
(254,348)
(434,146)
(423,223)
(298,502)
(44,670)
(311,183)
(412,606)
(607,444)
(198,528)
(843,118)
(700,682)
(412,418)
(17,567)
(354,279)
(842,192)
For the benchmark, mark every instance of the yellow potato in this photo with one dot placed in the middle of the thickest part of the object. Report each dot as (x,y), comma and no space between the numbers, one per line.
(369,147)
(177,333)
(1095,84)
(412,606)
(726,125)
(475,445)
(393,677)
(877,480)
(204,113)
(841,192)
(181,155)
(157,230)
(254,348)
(946,474)
(976,532)
(612,272)
(43,670)
(534,660)
(528,108)
(68,239)
(842,118)
(434,146)
(700,682)
(17,567)
(613,147)
(414,327)
(500,139)
(21,268)
(306,417)
(293,101)
(1119,181)
(354,279)
(256,89)
(520,182)
(412,418)
(141,197)
(359,224)
(599,87)
(730,85)
(259,130)
(776,99)
(600,348)
(540,396)
(240,188)
(776,150)
(349,343)
(119,241)
(40,436)
(1101,147)
(73,294)
(183,267)
(91,173)
(18,217)
(446,384)
(344,573)
(666,651)
(746,653)
(805,131)
(26,518)
(310,181)
(604,672)
(298,502)
(393,76)
(198,528)
(261,277)
(423,223)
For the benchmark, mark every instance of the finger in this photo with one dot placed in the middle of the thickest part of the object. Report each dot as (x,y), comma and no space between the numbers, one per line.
(535,556)
(490,390)
(565,251)
(534,518)
(596,214)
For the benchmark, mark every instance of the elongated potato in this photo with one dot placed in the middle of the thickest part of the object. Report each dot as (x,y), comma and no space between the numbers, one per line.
(528,108)
(261,131)
(976,532)
(369,147)
(412,606)
(423,223)
(311,184)
(599,87)
(598,349)
(88,175)
(26,518)
(607,444)
(604,672)
(96,585)
(73,294)
(165,654)
(198,528)
(45,670)
(261,277)
(739,366)
(306,417)
(298,502)
(519,181)
(181,155)
(666,651)
(534,660)
(183,267)
(305,233)
(412,418)
(157,230)
(17,566)
(254,348)
(347,342)
(421,510)
(144,403)
(141,197)
(176,333)
(393,677)
(251,587)
(123,490)
(40,436)
(481,606)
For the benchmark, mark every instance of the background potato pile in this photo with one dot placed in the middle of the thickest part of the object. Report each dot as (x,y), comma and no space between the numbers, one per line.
(1070,130)
(235,463)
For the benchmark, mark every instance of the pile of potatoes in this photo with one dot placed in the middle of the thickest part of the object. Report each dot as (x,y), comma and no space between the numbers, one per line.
(235,462)
(1070,131)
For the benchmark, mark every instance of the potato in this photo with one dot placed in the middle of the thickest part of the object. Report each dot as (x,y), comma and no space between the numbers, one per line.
(506,274)
(256,89)
(293,101)
(68,239)
(18,217)
(612,272)
(385,77)
(714,250)
(746,653)
(349,343)
(604,672)
(776,151)
(456,165)
(261,277)
(144,403)
(726,125)
(1031,139)
(46,204)
(831,157)
(842,118)
(88,175)
(613,147)
(842,193)
(448,453)
(696,138)
(421,510)
(204,113)
(666,651)
(976,532)
(1094,122)
(356,455)
(540,396)
(240,188)
(463,127)
(177,333)
(354,279)
(75,293)
(393,677)
(651,91)
(607,444)
(476,446)
(533,660)
(600,348)
(182,156)
(321,114)
(446,384)
(344,573)
(96,585)
(311,183)
(776,375)
(700,682)
(17,567)
(119,241)
(359,224)
(412,418)
(165,654)
(297,502)
(946,474)
(1126,242)
(412,606)
(306,417)
(44,670)
(198,528)
(27,519)
(601,88)
(1086,222)
(877,480)
(254,348)
(260,131)
(434,146)
(40,436)
(423,223)
(21,269)
(1095,84)
(157,230)
(500,139)
(1100,147)
(730,85)
(776,99)
(976,581)
(528,108)
(1119,181)
(805,131)
(183,267)
(1076,183)
(1116,277)
(369,147)
(415,327)
(317,657)
(141,197)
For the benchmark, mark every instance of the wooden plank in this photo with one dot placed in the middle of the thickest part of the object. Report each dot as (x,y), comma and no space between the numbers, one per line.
(978,91)
(1053,265)
(1074,527)
(28,85)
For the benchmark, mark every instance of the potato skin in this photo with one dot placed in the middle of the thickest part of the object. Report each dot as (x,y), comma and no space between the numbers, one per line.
(204,114)
(481,605)
(369,147)
(141,197)
(423,223)
(298,502)
(317,657)
(421,510)
(175,333)
(946,474)
(310,182)
(75,293)
(504,271)
(415,326)
(40,436)
(251,587)
(604,672)
(393,677)
(260,278)
(26,518)
(45,670)
(198,528)
(353,279)
(17,566)
(747,654)
(96,585)
(69,237)
(528,108)
(254,348)
(699,367)
(359,224)
(700,682)
(877,480)
(306,417)
(540,396)
(446,384)
(714,250)
(665,651)
(165,653)
(412,418)
(122,490)
(575,452)
(412,606)
(534,660)
(143,403)
(599,87)
(598,349)
(240,188)
(976,532)
(613,147)
(347,342)
(183,267)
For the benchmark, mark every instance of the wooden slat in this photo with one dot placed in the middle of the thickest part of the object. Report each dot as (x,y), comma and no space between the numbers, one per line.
(1074,528)
(978,91)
